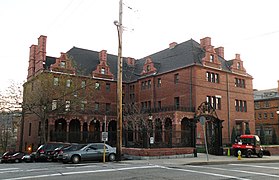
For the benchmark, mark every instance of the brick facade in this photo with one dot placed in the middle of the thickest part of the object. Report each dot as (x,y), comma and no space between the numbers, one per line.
(170,92)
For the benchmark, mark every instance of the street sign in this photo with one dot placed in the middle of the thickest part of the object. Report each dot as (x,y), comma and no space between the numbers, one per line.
(151,140)
(104,136)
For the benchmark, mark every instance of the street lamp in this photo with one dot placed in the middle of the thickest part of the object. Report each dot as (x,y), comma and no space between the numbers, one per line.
(119,27)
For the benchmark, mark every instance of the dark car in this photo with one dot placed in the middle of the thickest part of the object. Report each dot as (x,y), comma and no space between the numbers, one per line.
(46,151)
(58,153)
(29,157)
(12,157)
(90,152)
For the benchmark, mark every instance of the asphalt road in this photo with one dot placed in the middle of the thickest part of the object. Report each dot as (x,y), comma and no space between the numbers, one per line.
(127,171)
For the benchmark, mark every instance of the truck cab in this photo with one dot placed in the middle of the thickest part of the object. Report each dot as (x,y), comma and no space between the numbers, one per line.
(248,145)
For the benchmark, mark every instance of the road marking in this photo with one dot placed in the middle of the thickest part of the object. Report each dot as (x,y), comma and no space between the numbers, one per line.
(80,172)
(246,165)
(8,169)
(206,173)
(236,170)
(74,167)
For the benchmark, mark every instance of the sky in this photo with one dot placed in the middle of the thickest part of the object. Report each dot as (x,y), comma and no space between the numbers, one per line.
(246,27)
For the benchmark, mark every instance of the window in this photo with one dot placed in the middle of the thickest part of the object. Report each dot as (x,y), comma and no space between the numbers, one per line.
(62,64)
(39,129)
(30,128)
(266,104)
(176,102)
(83,84)
(97,85)
(82,105)
(68,83)
(54,105)
(214,101)
(108,87)
(257,105)
(103,71)
(271,115)
(176,78)
(142,85)
(211,59)
(149,84)
(55,81)
(97,106)
(240,105)
(107,107)
(260,116)
(212,77)
(238,65)
(265,115)
(159,104)
(67,105)
(147,68)
(159,82)
(240,83)
(149,105)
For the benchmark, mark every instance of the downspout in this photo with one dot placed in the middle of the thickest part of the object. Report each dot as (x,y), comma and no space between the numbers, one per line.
(228,104)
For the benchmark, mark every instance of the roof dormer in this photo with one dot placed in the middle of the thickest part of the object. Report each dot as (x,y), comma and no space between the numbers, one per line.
(63,64)
(211,57)
(237,65)
(148,67)
(102,69)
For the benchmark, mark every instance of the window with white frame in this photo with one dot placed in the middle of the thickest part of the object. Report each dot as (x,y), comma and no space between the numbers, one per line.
(67,105)
(55,81)
(103,70)
(68,83)
(54,105)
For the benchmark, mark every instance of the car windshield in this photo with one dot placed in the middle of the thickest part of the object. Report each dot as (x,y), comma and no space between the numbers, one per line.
(76,147)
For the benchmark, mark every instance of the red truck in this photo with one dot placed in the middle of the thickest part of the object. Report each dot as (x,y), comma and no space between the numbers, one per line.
(248,145)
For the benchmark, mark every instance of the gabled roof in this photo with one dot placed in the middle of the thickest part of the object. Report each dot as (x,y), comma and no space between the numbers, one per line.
(266,94)
(181,55)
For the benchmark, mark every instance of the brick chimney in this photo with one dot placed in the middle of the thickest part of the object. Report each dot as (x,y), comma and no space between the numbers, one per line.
(204,42)
(32,59)
(237,56)
(103,55)
(40,57)
(130,61)
(220,51)
(172,45)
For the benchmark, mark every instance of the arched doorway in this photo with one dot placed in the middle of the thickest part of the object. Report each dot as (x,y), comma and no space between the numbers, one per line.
(158,131)
(187,132)
(60,130)
(168,132)
(74,131)
(112,127)
(213,127)
(94,131)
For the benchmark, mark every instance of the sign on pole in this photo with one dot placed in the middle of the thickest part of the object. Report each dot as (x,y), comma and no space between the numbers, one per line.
(104,136)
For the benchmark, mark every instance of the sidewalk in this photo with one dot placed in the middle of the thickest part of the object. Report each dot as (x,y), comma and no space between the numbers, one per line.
(202,160)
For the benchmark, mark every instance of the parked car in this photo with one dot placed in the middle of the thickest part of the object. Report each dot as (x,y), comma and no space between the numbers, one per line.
(58,152)
(46,151)
(12,157)
(90,152)
(29,157)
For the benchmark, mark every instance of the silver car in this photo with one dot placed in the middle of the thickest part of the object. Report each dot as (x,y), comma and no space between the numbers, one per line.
(90,152)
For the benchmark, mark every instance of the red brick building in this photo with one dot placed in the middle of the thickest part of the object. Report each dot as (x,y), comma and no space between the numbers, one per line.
(164,94)
(267,113)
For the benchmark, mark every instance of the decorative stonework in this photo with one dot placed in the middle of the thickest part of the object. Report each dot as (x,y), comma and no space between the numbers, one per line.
(63,64)
(148,67)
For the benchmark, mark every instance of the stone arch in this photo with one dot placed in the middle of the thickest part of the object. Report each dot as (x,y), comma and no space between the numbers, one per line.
(94,131)
(112,132)
(168,132)
(60,130)
(74,131)
(187,132)
(158,130)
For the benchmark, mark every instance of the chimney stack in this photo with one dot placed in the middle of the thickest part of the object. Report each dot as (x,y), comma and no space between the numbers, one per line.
(130,61)
(220,51)
(172,45)
(205,42)
(103,55)
(237,56)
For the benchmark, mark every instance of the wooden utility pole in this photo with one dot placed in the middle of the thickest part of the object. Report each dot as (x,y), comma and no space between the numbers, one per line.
(119,85)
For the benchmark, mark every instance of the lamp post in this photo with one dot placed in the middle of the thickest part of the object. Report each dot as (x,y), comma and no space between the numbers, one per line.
(119,85)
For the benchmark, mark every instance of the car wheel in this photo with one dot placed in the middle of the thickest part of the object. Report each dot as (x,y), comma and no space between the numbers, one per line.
(248,154)
(75,159)
(260,154)
(16,160)
(111,157)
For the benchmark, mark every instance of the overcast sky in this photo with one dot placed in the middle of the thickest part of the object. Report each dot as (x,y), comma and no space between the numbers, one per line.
(247,27)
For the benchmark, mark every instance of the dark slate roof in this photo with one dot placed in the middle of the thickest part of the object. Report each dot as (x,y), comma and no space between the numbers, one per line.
(266,94)
(182,55)
(86,61)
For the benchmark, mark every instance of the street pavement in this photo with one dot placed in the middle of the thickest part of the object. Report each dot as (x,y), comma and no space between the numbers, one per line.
(201,159)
